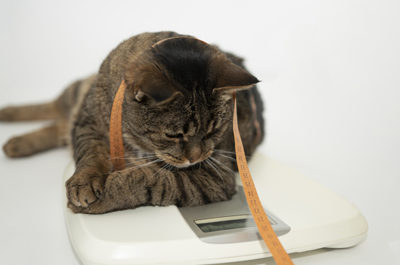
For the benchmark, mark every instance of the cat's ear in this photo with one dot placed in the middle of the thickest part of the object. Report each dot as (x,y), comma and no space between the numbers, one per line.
(156,91)
(230,77)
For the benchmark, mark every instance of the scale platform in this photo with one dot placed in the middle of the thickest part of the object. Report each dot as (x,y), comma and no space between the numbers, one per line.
(306,215)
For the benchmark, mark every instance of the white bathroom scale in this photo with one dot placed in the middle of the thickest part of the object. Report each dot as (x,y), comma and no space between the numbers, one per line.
(304,214)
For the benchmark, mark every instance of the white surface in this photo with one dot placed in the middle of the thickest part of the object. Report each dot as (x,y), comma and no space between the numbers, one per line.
(317,218)
(330,72)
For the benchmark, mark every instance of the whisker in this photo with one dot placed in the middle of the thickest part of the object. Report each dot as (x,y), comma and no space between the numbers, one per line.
(222,165)
(133,157)
(136,160)
(144,162)
(227,152)
(224,151)
(142,165)
(170,167)
(210,163)
(230,158)
(163,167)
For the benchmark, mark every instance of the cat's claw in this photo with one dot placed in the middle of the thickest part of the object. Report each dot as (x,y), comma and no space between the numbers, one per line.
(98,187)
(83,191)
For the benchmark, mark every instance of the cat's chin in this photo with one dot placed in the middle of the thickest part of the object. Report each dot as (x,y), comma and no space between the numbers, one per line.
(186,164)
(182,165)
(183,162)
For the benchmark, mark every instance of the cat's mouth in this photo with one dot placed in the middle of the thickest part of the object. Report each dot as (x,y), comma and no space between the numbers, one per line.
(183,162)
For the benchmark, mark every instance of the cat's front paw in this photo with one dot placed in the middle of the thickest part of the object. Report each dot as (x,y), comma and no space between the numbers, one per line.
(84,188)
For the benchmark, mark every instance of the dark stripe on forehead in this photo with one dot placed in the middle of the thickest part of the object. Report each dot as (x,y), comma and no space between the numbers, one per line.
(186,59)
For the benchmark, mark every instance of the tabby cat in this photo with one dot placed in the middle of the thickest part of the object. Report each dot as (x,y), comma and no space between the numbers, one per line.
(177,125)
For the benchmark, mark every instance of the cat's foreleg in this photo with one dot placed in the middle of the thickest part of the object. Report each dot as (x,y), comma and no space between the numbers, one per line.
(86,185)
(160,184)
(92,161)
(134,187)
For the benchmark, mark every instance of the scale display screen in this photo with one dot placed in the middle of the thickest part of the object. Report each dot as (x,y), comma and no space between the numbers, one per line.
(226,223)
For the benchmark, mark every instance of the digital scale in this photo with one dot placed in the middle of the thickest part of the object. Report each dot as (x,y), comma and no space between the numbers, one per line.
(304,214)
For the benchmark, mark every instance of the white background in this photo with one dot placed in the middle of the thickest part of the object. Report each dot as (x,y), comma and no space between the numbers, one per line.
(330,72)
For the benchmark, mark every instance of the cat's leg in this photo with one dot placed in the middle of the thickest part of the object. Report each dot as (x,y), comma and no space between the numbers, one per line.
(41,140)
(44,111)
(92,159)
(59,108)
(131,188)
(157,185)
(93,165)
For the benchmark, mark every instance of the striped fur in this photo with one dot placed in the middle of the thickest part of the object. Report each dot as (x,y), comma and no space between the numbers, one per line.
(176,125)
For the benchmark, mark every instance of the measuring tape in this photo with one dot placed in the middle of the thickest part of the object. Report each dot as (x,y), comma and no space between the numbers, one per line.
(116,141)
(260,218)
(264,226)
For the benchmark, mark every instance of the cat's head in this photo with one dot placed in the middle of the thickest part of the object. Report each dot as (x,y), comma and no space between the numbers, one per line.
(179,103)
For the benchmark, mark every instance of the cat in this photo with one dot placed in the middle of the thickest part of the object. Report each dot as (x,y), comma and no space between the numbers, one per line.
(177,125)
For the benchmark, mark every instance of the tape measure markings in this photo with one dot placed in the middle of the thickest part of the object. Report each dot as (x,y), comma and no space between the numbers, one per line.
(264,226)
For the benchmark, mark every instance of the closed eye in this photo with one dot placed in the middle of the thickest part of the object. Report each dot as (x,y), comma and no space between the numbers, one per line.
(211,134)
(217,131)
(176,136)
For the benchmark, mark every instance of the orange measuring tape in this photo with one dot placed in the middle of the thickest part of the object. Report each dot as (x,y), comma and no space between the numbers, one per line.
(260,218)
(116,140)
(264,226)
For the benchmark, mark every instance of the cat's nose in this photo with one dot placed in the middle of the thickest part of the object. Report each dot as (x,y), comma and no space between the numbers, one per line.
(193,152)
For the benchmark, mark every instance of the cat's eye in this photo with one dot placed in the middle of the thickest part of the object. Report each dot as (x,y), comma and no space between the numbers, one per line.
(176,136)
